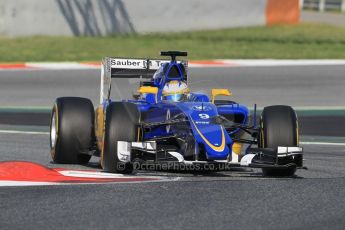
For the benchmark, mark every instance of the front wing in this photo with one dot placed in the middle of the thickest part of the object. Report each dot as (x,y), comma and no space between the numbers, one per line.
(282,157)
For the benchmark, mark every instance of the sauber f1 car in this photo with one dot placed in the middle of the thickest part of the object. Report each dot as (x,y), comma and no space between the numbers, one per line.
(166,123)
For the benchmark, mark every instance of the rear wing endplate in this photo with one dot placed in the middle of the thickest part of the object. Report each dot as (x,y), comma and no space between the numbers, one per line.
(128,68)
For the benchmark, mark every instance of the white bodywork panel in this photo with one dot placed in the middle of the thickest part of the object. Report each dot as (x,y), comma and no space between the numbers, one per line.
(247,159)
(124,148)
(287,150)
(124,151)
(234,157)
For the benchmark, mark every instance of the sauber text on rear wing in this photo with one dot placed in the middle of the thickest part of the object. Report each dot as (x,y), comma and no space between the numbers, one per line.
(127,68)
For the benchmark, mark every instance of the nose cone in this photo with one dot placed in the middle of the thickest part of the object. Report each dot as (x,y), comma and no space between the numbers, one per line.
(212,136)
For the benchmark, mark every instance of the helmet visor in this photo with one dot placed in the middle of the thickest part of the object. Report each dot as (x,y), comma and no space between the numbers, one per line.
(175,97)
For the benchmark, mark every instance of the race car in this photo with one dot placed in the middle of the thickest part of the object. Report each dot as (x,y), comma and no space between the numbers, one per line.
(165,123)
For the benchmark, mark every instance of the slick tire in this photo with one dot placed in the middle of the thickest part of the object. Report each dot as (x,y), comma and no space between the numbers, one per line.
(72,130)
(120,125)
(279,127)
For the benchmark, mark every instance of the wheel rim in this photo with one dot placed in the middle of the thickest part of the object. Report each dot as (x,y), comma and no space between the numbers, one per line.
(53,131)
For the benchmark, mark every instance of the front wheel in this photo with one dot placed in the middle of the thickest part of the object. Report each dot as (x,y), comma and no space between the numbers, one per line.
(120,125)
(279,127)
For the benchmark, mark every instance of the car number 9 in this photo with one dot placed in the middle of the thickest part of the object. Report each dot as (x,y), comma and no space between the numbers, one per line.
(204,116)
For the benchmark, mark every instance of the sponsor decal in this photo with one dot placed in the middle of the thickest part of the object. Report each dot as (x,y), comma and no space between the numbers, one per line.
(139,63)
(201,108)
(155,64)
(136,63)
(127,63)
(202,122)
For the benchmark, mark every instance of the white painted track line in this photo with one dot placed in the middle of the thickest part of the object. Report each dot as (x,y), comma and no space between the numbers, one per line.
(23,132)
(6,183)
(322,143)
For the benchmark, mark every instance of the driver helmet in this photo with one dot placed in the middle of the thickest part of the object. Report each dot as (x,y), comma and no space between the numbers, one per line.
(175,91)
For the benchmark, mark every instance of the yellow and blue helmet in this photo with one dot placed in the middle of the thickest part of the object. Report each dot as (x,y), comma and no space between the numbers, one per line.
(175,91)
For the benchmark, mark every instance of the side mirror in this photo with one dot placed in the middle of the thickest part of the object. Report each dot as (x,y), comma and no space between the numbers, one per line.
(148,89)
(219,92)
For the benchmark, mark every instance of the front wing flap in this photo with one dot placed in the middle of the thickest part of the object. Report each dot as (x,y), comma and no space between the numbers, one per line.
(281,157)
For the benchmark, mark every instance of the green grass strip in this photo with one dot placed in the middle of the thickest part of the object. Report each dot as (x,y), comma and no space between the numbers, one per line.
(305,41)
(25,109)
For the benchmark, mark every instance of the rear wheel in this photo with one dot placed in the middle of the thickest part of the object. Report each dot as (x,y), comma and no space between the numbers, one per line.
(120,125)
(72,130)
(279,127)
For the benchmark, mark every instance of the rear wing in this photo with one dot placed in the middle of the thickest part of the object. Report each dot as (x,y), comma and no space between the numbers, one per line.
(128,68)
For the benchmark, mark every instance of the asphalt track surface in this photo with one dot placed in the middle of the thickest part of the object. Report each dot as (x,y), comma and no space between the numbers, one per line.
(292,85)
(236,199)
